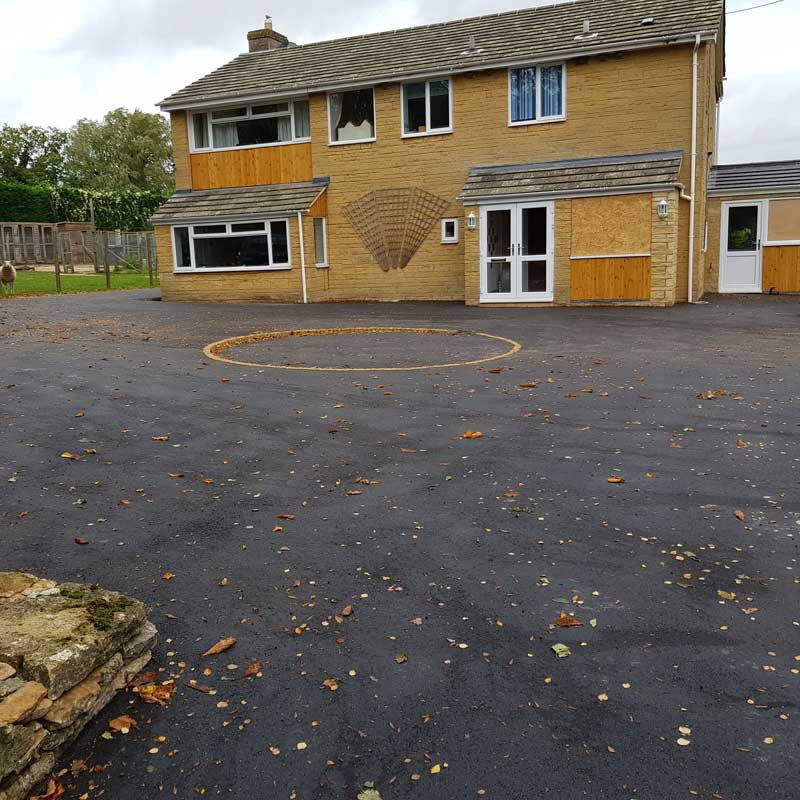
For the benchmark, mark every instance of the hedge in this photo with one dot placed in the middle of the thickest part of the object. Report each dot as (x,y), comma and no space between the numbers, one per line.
(126,211)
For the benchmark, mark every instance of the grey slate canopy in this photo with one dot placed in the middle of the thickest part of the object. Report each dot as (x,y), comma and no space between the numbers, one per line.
(769,176)
(577,176)
(498,40)
(241,203)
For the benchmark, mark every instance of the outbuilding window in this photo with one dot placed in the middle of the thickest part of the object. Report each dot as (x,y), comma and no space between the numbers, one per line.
(537,94)
(234,246)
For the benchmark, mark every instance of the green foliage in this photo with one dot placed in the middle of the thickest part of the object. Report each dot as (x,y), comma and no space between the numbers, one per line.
(125,211)
(30,154)
(125,151)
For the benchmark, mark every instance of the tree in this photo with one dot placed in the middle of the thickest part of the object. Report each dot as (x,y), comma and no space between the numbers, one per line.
(33,155)
(125,151)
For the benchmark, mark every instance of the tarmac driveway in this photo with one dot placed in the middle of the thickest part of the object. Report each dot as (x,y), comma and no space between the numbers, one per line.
(398,584)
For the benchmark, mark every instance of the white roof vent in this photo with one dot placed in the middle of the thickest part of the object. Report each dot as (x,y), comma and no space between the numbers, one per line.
(648,21)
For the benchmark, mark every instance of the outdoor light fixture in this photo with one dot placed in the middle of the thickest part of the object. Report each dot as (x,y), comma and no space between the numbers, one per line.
(663,209)
(471,221)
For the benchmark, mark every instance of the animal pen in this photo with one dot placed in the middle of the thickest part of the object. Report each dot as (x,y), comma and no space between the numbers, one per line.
(78,248)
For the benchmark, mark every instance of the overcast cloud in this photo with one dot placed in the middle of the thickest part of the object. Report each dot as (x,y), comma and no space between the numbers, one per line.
(67,59)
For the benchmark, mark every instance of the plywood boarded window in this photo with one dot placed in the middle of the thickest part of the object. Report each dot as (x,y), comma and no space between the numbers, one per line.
(784,220)
(612,226)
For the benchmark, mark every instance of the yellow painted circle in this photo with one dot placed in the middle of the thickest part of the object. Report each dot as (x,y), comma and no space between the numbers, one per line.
(215,350)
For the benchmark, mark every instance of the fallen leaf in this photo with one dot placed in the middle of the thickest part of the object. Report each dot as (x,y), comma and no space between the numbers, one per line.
(221,646)
(160,438)
(331,683)
(275,751)
(168,576)
(602,697)
(683,742)
(401,658)
(471,435)
(616,479)
(726,595)
(54,791)
(352,492)
(253,669)
(122,724)
(436,769)
(566,621)
(347,611)
(301,745)
(740,516)
(155,693)
(78,540)
(288,517)
(561,650)
(70,456)
(176,475)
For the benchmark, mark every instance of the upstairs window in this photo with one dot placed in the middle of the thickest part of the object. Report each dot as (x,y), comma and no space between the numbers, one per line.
(251,125)
(352,116)
(536,94)
(427,108)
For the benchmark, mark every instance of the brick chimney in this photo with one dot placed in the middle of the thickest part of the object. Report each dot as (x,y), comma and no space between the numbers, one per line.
(265,38)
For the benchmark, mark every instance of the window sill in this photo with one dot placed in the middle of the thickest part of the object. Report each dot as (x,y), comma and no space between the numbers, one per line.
(206,150)
(537,298)
(202,271)
(545,121)
(321,266)
(449,241)
(353,141)
(437,132)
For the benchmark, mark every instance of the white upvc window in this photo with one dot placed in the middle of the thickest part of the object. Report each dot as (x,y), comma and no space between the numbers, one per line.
(351,116)
(427,108)
(244,246)
(320,242)
(265,124)
(537,94)
(450,231)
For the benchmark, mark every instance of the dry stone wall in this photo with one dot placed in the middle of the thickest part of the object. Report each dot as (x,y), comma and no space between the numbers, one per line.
(65,651)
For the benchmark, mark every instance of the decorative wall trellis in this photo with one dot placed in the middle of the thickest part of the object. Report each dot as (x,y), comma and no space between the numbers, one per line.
(393,223)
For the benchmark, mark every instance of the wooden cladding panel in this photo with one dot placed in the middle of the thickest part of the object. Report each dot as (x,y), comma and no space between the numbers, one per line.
(616,225)
(319,208)
(289,163)
(781,269)
(610,279)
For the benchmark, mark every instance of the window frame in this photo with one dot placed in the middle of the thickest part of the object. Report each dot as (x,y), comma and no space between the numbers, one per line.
(249,115)
(454,239)
(539,119)
(428,132)
(324,263)
(765,240)
(374,138)
(267,231)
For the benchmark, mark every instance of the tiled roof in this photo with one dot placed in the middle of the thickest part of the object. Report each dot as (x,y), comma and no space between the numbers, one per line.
(497,40)
(584,175)
(240,203)
(767,176)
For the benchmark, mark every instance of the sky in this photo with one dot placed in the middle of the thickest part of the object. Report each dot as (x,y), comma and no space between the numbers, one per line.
(70,59)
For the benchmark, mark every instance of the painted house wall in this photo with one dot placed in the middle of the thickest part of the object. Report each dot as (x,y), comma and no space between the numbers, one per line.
(629,103)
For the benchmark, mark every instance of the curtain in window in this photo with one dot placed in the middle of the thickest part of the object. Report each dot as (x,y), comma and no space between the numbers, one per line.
(226,134)
(552,91)
(352,115)
(336,115)
(523,94)
(302,123)
(284,129)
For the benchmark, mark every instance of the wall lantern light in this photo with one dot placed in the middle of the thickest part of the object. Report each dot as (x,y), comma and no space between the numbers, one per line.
(663,209)
(471,221)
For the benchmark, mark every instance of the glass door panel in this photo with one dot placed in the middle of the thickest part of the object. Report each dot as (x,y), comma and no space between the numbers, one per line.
(534,231)
(498,276)
(534,277)
(498,266)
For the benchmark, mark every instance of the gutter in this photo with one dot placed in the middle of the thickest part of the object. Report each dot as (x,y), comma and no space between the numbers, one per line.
(691,197)
(300,90)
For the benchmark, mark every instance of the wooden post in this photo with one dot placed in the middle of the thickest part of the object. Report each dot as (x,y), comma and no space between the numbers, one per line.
(105,260)
(95,246)
(58,266)
(146,237)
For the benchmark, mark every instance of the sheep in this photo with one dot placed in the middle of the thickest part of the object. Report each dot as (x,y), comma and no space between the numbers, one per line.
(8,275)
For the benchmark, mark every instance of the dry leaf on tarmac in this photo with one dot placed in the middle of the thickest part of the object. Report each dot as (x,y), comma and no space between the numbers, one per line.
(471,435)
(740,516)
(55,791)
(616,479)
(122,724)
(566,621)
(154,693)
(221,646)
(160,438)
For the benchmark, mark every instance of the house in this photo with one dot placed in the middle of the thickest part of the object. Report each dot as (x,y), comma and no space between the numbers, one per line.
(551,156)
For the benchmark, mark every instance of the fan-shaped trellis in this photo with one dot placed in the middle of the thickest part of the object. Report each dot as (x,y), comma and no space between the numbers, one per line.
(393,223)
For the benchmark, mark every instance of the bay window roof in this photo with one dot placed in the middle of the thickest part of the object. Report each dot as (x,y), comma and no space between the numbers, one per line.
(498,40)
(240,203)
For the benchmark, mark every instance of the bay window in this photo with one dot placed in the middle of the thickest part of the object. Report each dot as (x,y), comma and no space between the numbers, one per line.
(427,108)
(251,125)
(232,246)
(351,116)
(537,94)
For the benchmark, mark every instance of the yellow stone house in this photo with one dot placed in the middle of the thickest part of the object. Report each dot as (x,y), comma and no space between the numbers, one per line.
(551,156)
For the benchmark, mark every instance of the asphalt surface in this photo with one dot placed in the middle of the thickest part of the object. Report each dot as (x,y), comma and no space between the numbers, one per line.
(456,558)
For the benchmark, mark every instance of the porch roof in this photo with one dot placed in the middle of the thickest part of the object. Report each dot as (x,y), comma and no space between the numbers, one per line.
(239,203)
(767,176)
(583,176)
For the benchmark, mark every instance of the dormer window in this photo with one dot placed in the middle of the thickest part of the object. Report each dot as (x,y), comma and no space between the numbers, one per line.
(256,125)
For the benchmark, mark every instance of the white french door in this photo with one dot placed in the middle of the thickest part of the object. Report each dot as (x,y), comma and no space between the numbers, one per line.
(517,253)
(740,250)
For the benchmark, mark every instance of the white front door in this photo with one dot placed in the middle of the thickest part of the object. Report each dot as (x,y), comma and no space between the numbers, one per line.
(740,248)
(517,253)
